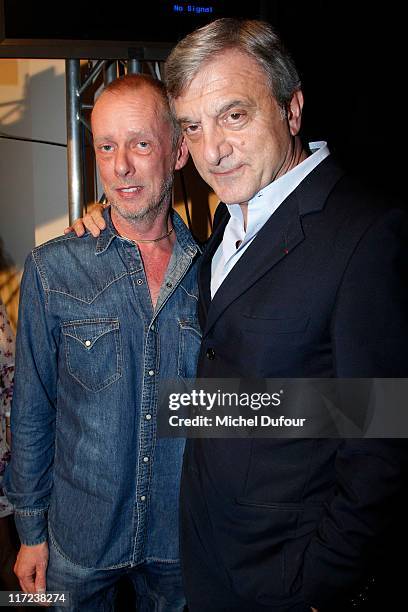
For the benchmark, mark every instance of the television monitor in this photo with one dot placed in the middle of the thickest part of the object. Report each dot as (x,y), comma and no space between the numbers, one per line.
(78,29)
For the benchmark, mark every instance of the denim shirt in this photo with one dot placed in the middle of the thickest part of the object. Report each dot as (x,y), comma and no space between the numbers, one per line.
(87,468)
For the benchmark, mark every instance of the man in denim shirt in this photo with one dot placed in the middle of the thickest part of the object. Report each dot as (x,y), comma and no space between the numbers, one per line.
(95,491)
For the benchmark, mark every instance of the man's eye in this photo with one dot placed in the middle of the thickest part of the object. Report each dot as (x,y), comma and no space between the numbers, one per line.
(106,148)
(143,146)
(191,129)
(236,117)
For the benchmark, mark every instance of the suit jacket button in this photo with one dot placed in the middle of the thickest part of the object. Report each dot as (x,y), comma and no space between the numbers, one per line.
(210,353)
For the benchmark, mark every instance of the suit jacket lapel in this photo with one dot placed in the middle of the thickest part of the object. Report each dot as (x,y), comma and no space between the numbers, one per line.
(221,219)
(280,234)
(276,239)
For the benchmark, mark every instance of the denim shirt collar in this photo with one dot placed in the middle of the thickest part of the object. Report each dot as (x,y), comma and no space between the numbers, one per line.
(184,238)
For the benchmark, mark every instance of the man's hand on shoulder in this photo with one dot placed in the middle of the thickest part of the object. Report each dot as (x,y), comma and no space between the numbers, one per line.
(92,221)
(31,567)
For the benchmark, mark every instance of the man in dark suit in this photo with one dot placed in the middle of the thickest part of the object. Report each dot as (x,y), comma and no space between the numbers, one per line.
(302,277)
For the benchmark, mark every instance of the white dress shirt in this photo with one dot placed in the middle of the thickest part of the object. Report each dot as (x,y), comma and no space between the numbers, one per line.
(260,208)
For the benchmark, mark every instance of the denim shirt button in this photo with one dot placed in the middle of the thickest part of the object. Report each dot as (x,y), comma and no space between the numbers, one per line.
(148,417)
(146,459)
(143,498)
(88,343)
(139,281)
(151,372)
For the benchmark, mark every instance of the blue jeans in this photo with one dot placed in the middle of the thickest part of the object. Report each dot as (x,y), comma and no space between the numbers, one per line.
(158,586)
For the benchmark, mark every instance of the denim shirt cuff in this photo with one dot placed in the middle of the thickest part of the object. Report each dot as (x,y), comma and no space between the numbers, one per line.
(32,526)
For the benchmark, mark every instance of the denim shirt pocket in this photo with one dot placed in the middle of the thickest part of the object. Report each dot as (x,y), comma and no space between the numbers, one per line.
(93,352)
(189,347)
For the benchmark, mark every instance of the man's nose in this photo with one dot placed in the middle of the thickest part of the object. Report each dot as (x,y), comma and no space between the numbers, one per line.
(123,163)
(216,146)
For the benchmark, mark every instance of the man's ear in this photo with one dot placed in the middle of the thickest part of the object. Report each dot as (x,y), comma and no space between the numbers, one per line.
(182,154)
(294,112)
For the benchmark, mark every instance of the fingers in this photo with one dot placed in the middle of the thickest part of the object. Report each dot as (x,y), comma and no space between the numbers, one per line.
(26,582)
(26,577)
(31,566)
(78,227)
(93,221)
(40,580)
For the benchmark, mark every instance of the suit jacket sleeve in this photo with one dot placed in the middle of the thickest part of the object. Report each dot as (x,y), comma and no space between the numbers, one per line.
(370,338)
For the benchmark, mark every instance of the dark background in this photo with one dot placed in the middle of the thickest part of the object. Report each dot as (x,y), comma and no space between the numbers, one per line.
(352,60)
(351,56)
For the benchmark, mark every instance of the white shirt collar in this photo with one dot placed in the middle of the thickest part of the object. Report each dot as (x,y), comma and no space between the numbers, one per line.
(260,208)
(266,201)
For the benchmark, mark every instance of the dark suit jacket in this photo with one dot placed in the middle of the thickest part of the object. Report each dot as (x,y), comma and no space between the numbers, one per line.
(318,293)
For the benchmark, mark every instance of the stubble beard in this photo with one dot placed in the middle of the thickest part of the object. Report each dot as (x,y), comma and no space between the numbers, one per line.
(152,208)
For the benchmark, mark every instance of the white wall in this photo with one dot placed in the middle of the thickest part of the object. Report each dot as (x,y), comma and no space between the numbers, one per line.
(33,182)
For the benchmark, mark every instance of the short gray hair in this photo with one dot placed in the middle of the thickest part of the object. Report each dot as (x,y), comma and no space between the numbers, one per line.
(255,38)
